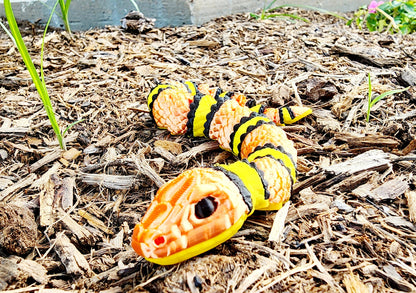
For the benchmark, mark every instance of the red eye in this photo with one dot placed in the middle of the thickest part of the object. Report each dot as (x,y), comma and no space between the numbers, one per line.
(159,240)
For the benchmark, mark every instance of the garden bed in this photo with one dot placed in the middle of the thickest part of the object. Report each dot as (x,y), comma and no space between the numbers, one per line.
(67,217)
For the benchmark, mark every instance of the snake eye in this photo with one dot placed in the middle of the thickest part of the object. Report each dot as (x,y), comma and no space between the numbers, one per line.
(205,207)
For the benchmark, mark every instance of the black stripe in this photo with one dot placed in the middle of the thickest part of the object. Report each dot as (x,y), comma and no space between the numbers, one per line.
(218,92)
(280,149)
(155,97)
(235,128)
(261,110)
(291,114)
(191,114)
(263,179)
(214,108)
(250,103)
(281,118)
(249,129)
(240,185)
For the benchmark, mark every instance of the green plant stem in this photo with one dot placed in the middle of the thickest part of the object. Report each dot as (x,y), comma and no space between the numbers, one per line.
(391,19)
(8,32)
(372,102)
(41,88)
(135,5)
(370,93)
(308,7)
(64,10)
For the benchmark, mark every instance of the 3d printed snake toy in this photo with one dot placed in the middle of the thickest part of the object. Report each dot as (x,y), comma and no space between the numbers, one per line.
(204,207)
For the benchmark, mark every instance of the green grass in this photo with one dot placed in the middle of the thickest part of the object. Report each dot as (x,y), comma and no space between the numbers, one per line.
(38,81)
(372,102)
(135,5)
(64,13)
(7,32)
(268,12)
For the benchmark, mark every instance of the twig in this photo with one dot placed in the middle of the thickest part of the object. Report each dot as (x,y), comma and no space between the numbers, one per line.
(392,22)
(287,274)
(328,278)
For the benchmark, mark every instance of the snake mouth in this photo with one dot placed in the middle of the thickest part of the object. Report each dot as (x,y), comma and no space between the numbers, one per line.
(159,240)
(189,210)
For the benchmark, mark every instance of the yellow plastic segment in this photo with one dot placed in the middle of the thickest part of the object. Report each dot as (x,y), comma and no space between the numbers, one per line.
(252,181)
(278,181)
(282,116)
(191,87)
(243,130)
(204,107)
(153,94)
(297,111)
(200,247)
(278,155)
(256,108)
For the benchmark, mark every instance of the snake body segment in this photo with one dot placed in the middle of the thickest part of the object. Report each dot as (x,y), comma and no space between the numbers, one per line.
(204,207)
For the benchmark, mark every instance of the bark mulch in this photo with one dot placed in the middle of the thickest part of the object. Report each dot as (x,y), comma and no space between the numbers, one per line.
(67,216)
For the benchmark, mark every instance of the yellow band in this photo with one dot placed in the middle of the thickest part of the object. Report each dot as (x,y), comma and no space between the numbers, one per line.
(242,130)
(155,92)
(278,154)
(204,108)
(252,181)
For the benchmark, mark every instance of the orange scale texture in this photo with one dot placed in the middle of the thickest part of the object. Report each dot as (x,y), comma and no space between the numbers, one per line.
(267,133)
(229,114)
(170,110)
(277,178)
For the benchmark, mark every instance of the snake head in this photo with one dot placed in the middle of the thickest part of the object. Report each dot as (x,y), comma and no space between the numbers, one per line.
(190,214)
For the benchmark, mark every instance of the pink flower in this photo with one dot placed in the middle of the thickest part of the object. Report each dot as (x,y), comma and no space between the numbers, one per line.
(373,5)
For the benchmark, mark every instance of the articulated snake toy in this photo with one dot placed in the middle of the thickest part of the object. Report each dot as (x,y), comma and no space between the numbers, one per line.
(203,207)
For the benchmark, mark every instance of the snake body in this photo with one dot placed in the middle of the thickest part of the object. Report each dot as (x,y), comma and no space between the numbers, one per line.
(204,207)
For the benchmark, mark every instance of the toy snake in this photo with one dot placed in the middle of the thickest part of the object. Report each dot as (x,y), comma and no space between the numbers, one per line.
(204,207)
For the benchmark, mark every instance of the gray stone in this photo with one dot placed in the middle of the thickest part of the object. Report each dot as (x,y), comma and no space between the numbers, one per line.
(84,15)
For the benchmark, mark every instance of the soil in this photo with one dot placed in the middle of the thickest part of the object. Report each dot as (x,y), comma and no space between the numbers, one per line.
(67,216)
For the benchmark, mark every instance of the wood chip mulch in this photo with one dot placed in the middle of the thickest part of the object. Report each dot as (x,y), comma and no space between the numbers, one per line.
(67,216)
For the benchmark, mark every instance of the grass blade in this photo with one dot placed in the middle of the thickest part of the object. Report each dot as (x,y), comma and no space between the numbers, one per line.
(8,32)
(135,5)
(70,125)
(64,10)
(389,93)
(370,93)
(372,102)
(41,88)
(310,8)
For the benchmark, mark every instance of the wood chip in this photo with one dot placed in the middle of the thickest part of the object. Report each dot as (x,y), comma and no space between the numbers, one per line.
(390,190)
(173,147)
(411,202)
(71,154)
(84,236)
(373,140)
(50,157)
(203,43)
(276,232)
(93,221)
(354,284)
(74,262)
(370,160)
(118,182)
(34,270)
(6,193)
